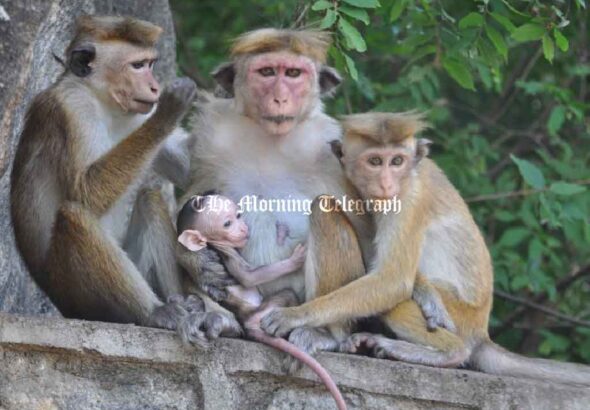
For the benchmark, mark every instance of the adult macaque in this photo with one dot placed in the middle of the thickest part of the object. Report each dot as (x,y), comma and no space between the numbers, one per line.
(85,148)
(214,221)
(434,234)
(272,140)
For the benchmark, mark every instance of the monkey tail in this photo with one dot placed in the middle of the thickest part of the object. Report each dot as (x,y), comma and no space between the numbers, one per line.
(289,348)
(490,358)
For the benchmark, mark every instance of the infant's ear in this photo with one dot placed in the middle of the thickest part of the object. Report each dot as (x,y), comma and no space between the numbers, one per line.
(193,240)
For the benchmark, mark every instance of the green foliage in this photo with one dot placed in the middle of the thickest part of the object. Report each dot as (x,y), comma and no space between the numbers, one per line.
(505,85)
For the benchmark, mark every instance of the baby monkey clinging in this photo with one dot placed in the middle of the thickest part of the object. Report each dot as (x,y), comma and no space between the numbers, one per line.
(215,221)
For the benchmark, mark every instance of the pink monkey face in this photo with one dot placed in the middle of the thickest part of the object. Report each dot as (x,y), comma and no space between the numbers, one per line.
(379,172)
(220,221)
(279,85)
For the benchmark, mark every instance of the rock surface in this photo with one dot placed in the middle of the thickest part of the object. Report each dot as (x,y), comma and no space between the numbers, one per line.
(52,363)
(30,32)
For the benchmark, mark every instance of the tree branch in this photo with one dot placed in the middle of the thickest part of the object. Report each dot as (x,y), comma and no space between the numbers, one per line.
(561,286)
(541,308)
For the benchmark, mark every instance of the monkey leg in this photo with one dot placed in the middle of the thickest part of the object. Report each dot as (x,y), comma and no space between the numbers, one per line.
(417,344)
(151,243)
(90,276)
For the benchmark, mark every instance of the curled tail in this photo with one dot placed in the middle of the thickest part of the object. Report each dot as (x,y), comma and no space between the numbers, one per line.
(287,347)
(493,359)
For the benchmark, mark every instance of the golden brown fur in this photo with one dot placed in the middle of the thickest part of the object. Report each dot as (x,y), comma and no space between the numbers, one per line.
(77,173)
(110,28)
(434,236)
(312,44)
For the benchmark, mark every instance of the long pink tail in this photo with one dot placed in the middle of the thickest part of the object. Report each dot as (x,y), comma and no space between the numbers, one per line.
(289,348)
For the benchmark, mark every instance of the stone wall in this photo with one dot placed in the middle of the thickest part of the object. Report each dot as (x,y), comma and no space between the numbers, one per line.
(49,363)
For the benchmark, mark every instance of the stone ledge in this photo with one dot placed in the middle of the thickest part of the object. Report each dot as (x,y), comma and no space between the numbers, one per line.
(50,363)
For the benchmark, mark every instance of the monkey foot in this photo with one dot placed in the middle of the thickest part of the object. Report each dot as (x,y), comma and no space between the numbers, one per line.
(310,340)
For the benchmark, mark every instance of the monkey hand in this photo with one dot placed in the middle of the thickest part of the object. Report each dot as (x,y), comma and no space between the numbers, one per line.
(174,102)
(309,340)
(280,321)
(358,342)
(297,258)
(200,327)
(433,309)
(213,278)
(169,315)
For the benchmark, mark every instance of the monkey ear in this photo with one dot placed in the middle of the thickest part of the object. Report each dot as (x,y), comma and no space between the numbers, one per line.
(225,74)
(336,146)
(329,80)
(422,148)
(80,58)
(193,240)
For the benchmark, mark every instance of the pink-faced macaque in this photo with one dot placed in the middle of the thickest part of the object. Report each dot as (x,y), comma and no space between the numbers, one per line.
(214,221)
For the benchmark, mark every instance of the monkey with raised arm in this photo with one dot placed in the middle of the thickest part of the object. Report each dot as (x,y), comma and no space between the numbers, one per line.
(434,234)
(87,144)
(214,221)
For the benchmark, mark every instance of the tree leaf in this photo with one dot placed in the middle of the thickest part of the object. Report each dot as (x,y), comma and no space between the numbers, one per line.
(365,4)
(459,73)
(353,37)
(566,188)
(351,67)
(556,120)
(328,20)
(498,41)
(471,20)
(513,237)
(321,5)
(528,32)
(504,21)
(548,48)
(396,10)
(530,172)
(561,41)
(355,13)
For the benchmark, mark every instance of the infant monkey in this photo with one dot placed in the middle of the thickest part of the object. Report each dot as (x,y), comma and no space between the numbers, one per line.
(212,220)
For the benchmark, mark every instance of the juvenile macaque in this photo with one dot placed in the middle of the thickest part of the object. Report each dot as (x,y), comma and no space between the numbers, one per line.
(434,235)
(214,221)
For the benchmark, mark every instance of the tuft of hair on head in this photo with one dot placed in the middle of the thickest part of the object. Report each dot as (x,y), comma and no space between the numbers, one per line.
(310,43)
(383,127)
(107,28)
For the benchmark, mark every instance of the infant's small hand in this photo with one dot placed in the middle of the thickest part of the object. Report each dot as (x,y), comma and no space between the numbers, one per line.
(298,256)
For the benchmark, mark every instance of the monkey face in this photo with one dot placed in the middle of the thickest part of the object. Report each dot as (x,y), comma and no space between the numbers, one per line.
(221,222)
(280,88)
(128,73)
(379,172)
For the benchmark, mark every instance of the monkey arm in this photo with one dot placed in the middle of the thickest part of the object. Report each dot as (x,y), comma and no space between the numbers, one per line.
(100,185)
(250,277)
(263,274)
(206,271)
(389,282)
(173,159)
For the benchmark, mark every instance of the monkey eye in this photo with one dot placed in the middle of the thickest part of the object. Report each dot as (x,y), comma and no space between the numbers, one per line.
(238,215)
(397,160)
(293,72)
(267,71)
(227,224)
(138,64)
(375,161)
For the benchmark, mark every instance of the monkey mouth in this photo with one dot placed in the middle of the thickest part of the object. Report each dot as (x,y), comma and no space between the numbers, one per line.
(146,102)
(278,119)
